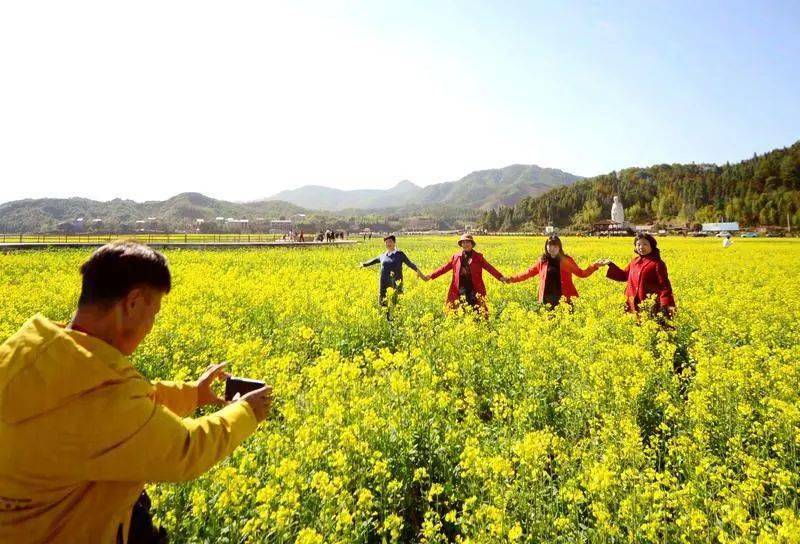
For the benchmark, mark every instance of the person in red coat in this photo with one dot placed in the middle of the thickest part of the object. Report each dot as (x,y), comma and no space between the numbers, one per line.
(646,275)
(467,283)
(555,270)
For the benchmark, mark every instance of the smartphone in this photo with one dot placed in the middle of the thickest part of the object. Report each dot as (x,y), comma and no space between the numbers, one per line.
(241,386)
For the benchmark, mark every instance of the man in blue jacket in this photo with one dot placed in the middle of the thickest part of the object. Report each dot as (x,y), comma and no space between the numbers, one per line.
(392,268)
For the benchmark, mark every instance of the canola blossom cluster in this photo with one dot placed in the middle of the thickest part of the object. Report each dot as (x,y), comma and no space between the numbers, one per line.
(533,425)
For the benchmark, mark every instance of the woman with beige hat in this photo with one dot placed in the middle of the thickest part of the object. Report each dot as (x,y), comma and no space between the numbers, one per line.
(467,283)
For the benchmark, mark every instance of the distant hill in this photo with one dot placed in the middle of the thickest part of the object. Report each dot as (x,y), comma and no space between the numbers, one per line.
(452,202)
(318,197)
(46,214)
(486,189)
(483,189)
(762,190)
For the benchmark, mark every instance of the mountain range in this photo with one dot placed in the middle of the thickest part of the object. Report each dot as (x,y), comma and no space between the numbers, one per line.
(483,189)
(452,200)
(762,190)
(46,214)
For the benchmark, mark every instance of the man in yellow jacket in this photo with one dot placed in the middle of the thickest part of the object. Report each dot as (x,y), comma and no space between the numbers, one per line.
(81,430)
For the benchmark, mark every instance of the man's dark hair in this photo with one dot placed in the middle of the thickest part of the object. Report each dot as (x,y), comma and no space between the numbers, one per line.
(390,237)
(115,269)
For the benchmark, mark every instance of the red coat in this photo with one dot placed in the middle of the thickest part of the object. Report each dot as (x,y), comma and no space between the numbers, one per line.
(645,276)
(568,269)
(476,268)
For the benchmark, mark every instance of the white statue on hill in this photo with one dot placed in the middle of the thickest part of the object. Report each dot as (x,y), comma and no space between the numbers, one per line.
(617,211)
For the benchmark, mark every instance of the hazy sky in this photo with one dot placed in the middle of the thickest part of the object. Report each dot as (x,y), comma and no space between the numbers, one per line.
(242,99)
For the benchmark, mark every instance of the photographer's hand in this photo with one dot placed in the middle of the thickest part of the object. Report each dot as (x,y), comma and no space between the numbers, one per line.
(205,394)
(260,402)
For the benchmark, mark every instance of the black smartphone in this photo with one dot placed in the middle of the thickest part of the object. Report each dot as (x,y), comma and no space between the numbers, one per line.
(241,386)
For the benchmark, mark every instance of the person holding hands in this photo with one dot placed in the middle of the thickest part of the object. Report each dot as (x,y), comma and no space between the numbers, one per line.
(391,273)
(645,276)
(466,285)
(555,270)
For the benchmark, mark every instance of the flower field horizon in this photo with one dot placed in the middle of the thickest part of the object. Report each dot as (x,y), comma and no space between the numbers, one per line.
(531,426)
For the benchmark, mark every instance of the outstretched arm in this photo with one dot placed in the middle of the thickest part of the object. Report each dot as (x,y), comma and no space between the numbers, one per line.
(370,262)
(580,272)
(616,273)
(155,445)
(442,269)
(413,267)
(492,270)
(528,274)
(409,264)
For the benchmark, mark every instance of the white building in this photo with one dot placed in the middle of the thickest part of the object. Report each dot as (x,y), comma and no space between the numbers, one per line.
(236,225)
(720,227)
(280,226)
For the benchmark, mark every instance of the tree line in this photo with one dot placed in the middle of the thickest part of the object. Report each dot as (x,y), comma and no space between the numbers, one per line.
(763,190)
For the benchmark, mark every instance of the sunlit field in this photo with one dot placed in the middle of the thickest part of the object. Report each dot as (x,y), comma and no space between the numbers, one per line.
(533,426)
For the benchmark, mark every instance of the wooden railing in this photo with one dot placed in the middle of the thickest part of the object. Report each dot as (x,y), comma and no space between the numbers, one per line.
(145,237)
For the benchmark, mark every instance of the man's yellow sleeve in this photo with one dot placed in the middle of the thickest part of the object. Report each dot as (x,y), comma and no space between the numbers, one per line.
(180,397)
(166,448)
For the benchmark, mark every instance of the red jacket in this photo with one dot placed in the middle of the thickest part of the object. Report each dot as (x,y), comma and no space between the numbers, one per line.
(476,268)
(568,269)
(645,276)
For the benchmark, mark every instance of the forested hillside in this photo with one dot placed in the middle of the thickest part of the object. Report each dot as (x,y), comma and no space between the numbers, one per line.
(763,190)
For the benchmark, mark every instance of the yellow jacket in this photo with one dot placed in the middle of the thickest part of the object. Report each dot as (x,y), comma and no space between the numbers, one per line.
(81,431)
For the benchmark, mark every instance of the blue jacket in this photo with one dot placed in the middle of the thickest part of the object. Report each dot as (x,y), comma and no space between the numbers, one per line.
(391,268)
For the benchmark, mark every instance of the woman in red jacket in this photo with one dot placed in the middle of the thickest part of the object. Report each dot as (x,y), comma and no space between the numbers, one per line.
(467,283)
(555,270)
(646,275)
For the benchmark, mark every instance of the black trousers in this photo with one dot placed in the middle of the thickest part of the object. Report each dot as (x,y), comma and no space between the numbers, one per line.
(142,530)
(398,290)
(470,296)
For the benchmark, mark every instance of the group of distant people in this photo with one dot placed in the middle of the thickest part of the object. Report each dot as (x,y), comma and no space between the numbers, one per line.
(330,235)
(294,236)
(326,235)
(645,276)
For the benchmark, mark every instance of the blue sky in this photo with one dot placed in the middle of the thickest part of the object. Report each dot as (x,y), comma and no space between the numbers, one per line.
(241,100)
